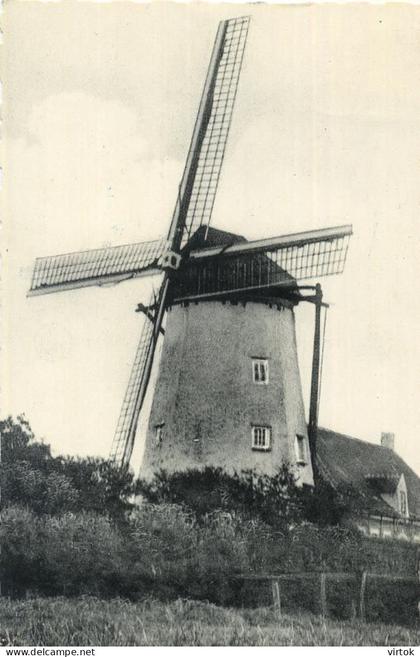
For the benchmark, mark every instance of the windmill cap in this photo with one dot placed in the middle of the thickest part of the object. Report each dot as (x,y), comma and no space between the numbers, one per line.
(207,237)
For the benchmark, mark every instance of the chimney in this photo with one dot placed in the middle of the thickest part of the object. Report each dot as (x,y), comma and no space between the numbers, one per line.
(387,439)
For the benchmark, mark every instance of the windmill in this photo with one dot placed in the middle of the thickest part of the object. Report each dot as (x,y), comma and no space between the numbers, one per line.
(228,390)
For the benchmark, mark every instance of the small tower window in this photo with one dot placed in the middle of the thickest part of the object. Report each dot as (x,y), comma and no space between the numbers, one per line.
(260,370)
(159,433)
(261,438)
(403,502)
(300,449)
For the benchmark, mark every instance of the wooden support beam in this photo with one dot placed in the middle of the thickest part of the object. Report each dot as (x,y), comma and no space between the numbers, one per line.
(141,308)
(313,406)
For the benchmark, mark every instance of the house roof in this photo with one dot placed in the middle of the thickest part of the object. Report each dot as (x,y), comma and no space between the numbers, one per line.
(350,461)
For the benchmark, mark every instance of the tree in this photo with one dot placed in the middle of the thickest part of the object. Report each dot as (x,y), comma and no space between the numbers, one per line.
(18,442)
(33,478)
(29,473)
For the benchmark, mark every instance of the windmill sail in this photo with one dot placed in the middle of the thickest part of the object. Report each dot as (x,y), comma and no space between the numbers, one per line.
(264,264)
(205,157)
(122,445)
(125,434)
(95,267)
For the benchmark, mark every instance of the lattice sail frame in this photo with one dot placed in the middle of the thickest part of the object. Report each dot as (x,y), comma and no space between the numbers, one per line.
(204,162)
(254,266)
(214,144)
(123,441)
(95,267)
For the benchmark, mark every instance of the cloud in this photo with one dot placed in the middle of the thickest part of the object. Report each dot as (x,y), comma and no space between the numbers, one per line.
(89,173)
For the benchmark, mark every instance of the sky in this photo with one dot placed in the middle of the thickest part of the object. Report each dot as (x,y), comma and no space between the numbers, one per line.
(99,106)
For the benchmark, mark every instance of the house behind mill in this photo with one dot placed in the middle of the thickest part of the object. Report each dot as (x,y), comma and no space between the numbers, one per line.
(389,488)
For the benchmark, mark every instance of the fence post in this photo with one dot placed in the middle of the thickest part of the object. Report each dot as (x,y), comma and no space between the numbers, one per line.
(362,602)
(276,597)
(323,594)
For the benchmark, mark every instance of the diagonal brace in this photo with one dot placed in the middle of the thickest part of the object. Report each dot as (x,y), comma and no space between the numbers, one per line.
(149,311)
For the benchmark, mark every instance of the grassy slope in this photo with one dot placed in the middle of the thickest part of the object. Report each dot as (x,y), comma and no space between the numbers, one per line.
(90,621)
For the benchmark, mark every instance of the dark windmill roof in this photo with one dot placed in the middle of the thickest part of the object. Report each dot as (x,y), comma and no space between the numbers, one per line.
(371,469)
(206,237)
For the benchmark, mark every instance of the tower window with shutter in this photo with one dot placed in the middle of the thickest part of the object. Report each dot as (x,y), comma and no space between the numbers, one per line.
(261,438)
(260,370)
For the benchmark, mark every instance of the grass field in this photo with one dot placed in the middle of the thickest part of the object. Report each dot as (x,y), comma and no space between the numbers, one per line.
(92,622)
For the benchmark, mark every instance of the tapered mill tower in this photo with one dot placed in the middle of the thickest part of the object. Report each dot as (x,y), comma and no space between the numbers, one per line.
(228,391)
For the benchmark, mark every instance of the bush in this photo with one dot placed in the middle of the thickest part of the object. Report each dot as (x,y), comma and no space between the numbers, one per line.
(162,541)
(19,555)
(221,553)
(172,555)
(162,550)
(274,500)
(70,554)
(392,601)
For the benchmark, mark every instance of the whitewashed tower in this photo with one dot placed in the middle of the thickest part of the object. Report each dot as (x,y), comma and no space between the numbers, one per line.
(228,391)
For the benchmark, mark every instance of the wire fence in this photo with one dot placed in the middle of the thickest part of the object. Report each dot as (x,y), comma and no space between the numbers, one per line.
(363,595)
